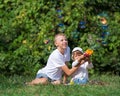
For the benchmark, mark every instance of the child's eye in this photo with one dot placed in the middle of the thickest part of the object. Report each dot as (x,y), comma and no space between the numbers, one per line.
(65,40)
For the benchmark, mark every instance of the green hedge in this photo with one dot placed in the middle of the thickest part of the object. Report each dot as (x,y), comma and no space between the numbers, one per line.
(27,28)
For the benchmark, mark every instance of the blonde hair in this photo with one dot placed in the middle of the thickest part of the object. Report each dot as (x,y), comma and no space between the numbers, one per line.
(59,34)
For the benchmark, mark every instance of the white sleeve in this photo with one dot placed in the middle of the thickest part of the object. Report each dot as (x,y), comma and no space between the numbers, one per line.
(89,66)
(75,63)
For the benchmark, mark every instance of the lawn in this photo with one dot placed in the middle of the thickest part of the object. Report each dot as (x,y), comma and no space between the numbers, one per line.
(103,85)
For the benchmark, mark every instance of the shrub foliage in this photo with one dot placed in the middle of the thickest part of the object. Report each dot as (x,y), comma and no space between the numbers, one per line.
(27,28)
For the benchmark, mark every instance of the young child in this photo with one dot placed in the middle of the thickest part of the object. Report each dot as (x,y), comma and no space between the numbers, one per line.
(56,63)
(81,75)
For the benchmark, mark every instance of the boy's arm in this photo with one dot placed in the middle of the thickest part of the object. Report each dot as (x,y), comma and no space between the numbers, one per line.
(77,62)
(73,69)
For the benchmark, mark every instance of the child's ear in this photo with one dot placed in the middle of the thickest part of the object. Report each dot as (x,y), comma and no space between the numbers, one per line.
(72,57)
(56,44)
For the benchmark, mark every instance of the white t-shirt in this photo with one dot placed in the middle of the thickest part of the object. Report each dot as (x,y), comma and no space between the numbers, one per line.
(82,71)
(55,61)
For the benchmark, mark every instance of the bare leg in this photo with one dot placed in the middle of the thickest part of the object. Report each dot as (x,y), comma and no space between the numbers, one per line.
(38,81)
(65,79)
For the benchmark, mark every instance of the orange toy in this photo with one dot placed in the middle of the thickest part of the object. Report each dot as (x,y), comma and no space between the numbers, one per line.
(88,52)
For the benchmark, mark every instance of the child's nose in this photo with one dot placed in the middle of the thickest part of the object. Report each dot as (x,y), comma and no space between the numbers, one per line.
(65,41)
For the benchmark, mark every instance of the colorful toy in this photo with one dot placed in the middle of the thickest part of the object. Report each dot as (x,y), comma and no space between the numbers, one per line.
(71,82)
(88,52)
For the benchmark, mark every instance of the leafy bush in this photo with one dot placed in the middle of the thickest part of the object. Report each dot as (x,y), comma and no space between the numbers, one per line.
(28,28)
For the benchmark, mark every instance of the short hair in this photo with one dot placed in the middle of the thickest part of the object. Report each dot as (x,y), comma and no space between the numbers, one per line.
(59,34)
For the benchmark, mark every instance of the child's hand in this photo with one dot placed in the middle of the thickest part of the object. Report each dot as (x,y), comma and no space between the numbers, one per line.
(83,61)
(87,58)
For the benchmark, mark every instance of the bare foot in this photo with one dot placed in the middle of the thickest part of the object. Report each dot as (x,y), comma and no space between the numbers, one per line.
(29,83)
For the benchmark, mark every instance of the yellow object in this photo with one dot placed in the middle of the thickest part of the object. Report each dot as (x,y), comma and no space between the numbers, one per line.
(89,52)
(71,82)
(24,41)
(49,48)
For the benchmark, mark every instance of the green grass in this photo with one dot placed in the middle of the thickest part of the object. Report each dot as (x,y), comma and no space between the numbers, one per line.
(14,86)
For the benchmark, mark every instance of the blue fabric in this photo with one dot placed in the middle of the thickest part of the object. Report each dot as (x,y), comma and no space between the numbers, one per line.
(80,81)
(42,75)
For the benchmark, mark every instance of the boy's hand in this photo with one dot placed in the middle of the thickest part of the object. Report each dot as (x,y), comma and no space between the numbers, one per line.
(80,58)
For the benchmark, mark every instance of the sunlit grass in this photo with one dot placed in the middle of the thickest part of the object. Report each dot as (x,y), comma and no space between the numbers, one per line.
(14,86)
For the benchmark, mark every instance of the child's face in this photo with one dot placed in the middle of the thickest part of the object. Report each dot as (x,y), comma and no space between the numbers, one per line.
(76,54)
(61,42)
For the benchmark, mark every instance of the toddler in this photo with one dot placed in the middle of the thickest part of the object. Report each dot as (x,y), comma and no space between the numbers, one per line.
(81,75)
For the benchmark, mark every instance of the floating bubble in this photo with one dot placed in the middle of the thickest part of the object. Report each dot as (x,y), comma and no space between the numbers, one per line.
(59,11)
(104,35)
(75,34)
(61,27)
(46,41)
(104,27)
(103,20)
(104,43)
(82,24)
